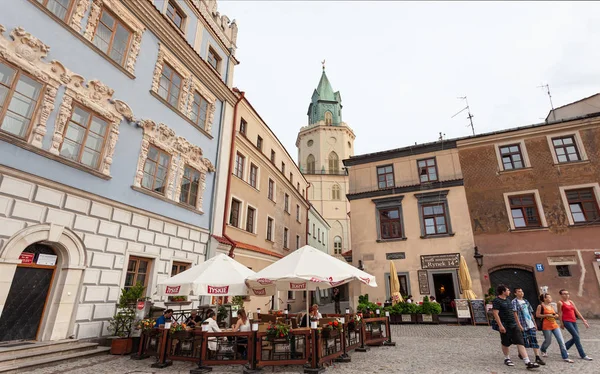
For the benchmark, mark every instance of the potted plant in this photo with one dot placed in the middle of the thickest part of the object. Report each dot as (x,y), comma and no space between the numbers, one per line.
(120,327)
(409,313)
(331,329)
(428,311)
(278,331)
(355,322)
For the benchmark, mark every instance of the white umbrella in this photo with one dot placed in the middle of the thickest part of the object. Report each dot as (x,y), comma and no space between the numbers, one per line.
(304,270)
(219,276)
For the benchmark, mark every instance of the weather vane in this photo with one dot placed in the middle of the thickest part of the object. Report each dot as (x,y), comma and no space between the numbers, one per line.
(323,63)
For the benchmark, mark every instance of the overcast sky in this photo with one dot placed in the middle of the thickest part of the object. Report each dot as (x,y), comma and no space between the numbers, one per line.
(400,66)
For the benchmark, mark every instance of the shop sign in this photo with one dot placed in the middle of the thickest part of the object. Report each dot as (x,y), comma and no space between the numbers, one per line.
(462,308)
(423,282)
(395,256)
(539,267)
(47,260)
(562,260)
(445,261)
(26,257)
(141,305)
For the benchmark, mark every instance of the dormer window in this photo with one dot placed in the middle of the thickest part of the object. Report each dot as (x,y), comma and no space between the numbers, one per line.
(328,118)
(175,14)
(213,59)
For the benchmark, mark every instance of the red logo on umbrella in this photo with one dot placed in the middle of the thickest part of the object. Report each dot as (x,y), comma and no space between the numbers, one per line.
(259,291)
(218,290)
(333,284)
(264,281)
(298,286)
(365,280)
(172,290)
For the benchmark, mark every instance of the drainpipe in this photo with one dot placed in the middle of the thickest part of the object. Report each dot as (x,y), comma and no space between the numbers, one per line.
(307,212)
(231,160)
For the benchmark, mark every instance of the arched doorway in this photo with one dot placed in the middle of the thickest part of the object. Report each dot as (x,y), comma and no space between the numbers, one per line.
(28,294)
(516,276)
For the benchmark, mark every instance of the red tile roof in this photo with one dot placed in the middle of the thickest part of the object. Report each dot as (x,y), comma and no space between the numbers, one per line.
(254,248)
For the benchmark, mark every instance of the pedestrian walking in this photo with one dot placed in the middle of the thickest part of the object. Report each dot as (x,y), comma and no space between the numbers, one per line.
(550,327)
(567,311)
(509,330)
(336,300)
(526,323)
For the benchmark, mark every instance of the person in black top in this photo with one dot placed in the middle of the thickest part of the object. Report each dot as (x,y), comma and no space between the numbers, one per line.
(509,330)
(193,319)
(336,300)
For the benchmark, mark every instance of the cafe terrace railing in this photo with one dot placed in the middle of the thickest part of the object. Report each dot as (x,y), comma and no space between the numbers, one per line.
(303,347)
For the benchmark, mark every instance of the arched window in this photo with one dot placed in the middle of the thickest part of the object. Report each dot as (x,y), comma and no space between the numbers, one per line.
(335,192)
(334,163)
(337,245)
(328,118)
(310,164)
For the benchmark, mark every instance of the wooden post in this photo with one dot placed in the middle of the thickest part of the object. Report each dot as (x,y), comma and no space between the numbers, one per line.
(201,369)
(362,347)
(162,358)
(388,331)
(315,367)
(141,353)
(344,357)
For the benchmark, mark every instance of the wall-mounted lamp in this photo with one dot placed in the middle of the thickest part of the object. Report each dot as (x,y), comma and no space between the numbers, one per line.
(360,265)
(478,257)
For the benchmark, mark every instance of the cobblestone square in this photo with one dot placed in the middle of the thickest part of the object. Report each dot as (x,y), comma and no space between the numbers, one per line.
(419,349)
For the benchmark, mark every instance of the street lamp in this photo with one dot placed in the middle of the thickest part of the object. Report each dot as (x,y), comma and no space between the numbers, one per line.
(478,257)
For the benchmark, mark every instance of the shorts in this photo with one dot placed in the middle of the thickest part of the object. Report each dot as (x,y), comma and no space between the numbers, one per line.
(513,335)
(530,339)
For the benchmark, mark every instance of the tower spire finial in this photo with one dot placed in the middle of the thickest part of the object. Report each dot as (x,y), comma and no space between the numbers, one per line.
(323,63)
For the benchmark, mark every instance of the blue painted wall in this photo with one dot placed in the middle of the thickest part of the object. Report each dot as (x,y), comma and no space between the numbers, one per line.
(79,58)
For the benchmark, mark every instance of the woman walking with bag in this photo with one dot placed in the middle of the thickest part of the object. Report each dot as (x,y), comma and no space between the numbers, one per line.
(567,311)
(550,327)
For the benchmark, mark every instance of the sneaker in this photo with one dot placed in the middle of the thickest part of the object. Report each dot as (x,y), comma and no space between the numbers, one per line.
(587,358)
(532,365)
(568,360)
(508,362)
(540,361)
(544,354)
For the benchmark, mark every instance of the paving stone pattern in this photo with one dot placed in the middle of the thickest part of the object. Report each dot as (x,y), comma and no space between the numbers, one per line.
(419,349)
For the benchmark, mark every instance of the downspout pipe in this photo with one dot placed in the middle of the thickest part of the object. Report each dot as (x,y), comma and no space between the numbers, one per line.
(307,212)
(231,160)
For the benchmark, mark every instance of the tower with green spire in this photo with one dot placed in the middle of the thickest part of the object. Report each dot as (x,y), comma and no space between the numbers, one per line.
(325,105)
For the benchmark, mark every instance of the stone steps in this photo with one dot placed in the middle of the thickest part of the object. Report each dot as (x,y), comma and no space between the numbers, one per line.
(24,358)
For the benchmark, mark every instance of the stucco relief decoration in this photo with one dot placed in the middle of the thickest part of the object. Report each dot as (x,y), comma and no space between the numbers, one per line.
(28,52)
(182,153)
(212,100)
(79,11)
(164,56)
(125,16)
(226,30)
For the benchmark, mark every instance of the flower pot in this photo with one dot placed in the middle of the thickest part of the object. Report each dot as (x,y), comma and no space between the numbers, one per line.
(395,318)
(408,318)
(328,334)
(428,318)
(121,346)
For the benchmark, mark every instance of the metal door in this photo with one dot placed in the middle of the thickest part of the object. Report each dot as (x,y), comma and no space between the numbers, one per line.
(515,277)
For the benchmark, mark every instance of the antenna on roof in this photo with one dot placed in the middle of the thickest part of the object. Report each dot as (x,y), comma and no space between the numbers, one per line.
(469,116)
(547,87)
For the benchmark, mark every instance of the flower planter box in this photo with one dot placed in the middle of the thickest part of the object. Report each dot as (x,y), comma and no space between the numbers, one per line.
(395,318)
(408,318)
(428,318)
(329,334)
(121,346)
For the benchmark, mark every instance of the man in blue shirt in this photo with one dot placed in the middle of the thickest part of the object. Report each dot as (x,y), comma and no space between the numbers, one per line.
(526,323)
(166,317)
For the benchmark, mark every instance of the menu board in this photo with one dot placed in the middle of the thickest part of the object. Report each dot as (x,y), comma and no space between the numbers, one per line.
(423,282)
(479,312)
(462,308)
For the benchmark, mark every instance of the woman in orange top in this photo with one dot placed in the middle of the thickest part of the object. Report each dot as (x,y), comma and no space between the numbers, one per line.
(550,327)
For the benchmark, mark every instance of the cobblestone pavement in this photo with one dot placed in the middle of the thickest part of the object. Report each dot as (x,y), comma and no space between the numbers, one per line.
(419,349)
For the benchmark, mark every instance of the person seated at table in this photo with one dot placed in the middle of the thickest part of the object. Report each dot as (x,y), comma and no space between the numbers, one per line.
(432,299)
(243,323)
(314,315)
(211,322)
(166,317)
(193,319)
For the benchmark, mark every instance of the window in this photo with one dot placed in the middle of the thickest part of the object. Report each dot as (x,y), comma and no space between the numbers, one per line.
(335,192)
(291,295)
(239,165)
(524,211)
(334,163)
(213,59)
(309,143)
(175,14)
(297,241)
(156,169)
(298,186)
(169,86)
(434,219)
(565,149)
(259,143)
(243,125)
(403,280)
(59,8)
(337,245)
(309,227)
(319,235)
(271,191)
(390,224)
(112,37)
(189,186)
(563,270)
(273,157)
(285,237)
(270,229)
(199,110)
(283,168)
(323,237)
(286,203)
(234,216)
(385,176)
(310,164)
(511,157)
(253,174)
(178,267)
(19,95)
(583,205)
(250,219)
(291,178)
(427,170)
(84,137)
(328,118)
(297,212)
(138,271)
(314,231)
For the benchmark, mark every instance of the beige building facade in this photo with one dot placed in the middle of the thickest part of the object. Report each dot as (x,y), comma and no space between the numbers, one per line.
(267,209)
(409,206)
